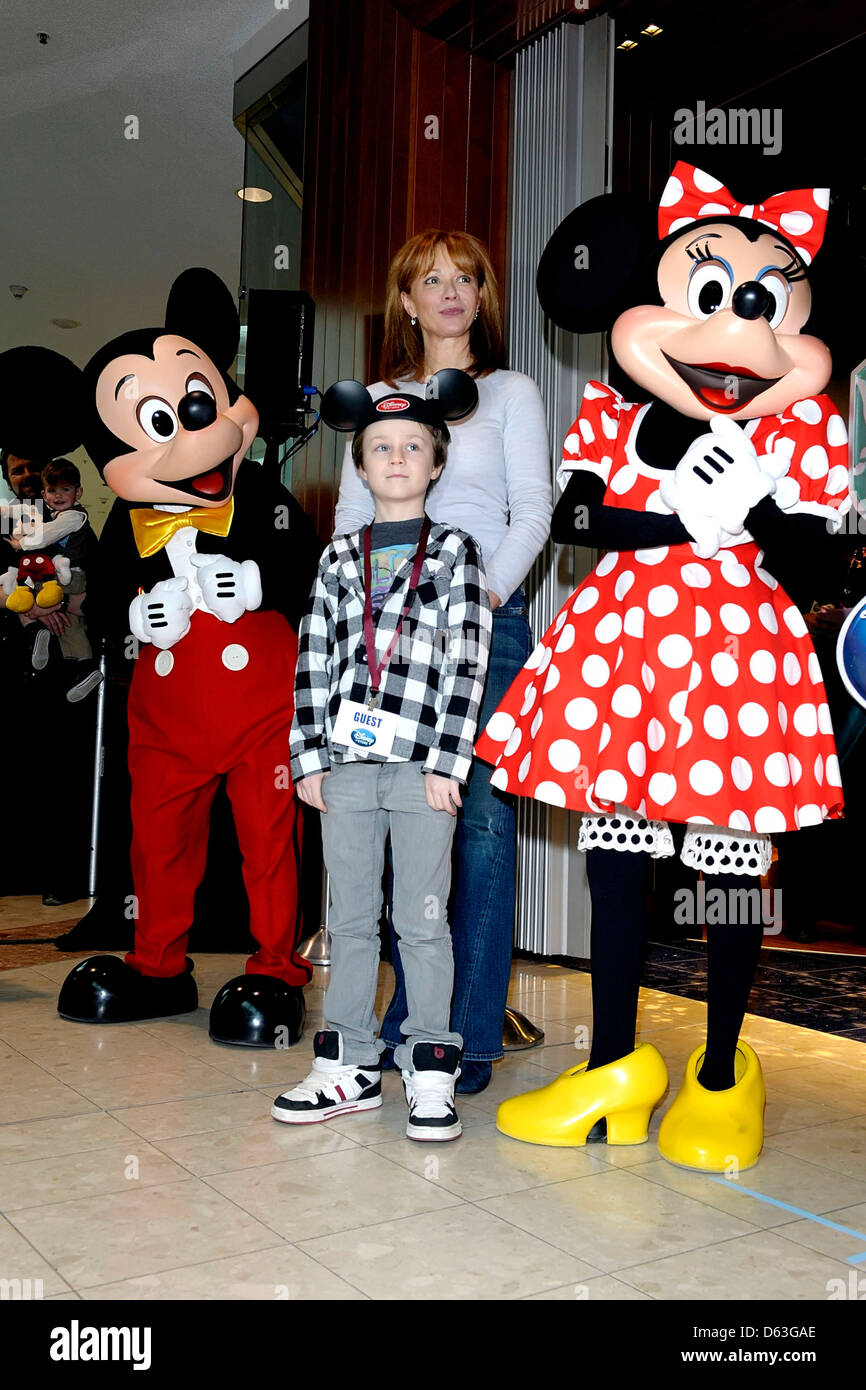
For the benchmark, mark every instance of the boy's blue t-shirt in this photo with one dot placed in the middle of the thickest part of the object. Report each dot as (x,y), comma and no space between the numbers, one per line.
(390,544)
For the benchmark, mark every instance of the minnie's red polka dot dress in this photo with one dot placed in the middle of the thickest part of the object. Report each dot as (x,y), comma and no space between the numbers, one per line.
(685,689)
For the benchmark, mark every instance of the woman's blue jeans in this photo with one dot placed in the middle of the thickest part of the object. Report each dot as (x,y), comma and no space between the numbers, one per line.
(483,879)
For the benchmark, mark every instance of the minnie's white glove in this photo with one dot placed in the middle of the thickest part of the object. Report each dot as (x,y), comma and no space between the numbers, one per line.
(716,483)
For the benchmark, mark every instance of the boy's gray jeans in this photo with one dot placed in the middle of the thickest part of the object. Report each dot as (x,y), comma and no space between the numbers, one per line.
(365,801)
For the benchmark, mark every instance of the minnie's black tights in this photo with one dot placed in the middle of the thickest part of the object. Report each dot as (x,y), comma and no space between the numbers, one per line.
(618,886)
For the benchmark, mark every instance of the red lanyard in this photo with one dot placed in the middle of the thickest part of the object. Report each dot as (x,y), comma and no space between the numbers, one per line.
(376,666)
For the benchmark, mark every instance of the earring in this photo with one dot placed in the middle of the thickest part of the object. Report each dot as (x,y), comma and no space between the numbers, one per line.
(477,312)
(413,321)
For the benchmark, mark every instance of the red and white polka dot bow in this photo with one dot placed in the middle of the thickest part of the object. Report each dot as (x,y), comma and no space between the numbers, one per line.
(690,194)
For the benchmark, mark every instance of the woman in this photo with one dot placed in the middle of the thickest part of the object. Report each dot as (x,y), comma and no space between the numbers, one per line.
(442,310)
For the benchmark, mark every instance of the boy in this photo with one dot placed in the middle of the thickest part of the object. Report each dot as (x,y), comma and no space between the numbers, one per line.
(67,532)
(393,655)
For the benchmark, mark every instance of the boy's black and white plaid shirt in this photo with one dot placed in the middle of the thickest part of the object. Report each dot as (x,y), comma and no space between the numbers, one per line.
(435,678)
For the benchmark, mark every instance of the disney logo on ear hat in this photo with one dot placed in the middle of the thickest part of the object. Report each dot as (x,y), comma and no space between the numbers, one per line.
(448,396)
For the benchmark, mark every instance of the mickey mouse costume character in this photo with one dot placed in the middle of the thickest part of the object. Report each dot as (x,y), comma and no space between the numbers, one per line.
(678,683)
(205,560)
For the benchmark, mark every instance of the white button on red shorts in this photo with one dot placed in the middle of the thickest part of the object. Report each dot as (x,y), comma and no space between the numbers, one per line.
(164,663)
(235,657)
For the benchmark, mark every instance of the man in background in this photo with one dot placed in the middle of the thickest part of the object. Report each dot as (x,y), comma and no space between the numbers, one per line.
(54,865)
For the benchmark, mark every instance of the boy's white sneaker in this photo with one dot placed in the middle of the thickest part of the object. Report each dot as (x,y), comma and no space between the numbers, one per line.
(39,659)
(332,1088)
(429,1087)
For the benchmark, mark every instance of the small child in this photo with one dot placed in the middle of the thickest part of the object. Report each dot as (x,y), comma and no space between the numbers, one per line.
(392,659)
(67,532)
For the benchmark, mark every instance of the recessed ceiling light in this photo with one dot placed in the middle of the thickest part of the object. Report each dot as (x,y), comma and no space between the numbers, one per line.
(651,31)
(66,323)
(255,195)
(628,43)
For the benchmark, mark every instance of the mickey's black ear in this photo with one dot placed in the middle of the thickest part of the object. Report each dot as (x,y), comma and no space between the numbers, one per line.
(344,404)
(201,308)
(41,403)
(592,260)
(454,391)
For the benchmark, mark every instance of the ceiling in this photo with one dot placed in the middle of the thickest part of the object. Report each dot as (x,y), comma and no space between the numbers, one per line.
(97,225)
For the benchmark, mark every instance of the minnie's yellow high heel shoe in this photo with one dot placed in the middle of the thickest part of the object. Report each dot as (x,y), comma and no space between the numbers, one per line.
(624,1093)
(710,1130)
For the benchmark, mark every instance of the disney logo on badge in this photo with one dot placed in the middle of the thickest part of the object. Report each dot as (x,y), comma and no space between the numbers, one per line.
(363,737)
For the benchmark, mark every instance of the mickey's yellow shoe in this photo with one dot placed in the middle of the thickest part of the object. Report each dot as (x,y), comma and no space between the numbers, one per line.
(50,594)
(624,1093)
(713,1130)
(20,600)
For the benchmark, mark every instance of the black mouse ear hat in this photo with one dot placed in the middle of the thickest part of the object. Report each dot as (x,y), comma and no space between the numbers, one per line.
(450,395)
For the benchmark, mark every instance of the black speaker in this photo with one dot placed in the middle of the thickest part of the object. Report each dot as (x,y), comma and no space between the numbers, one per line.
(279,351)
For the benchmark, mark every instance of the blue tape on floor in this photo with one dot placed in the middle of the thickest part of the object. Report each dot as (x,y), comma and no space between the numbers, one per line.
(736,1186)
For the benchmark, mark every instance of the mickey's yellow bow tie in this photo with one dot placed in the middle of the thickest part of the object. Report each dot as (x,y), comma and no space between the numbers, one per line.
(153,529)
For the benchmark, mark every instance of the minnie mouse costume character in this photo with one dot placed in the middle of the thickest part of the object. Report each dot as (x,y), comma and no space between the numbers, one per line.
(204,560)
(678,683)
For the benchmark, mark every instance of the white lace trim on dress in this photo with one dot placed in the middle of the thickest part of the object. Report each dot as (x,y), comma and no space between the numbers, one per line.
(625,830)
(720,850)
(713,849)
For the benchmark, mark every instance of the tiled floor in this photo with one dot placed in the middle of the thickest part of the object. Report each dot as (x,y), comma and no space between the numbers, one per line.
(810,988)
(140,1162)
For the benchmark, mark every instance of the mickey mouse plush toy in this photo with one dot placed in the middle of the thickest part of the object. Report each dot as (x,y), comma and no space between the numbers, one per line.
(204,562)
(679,684)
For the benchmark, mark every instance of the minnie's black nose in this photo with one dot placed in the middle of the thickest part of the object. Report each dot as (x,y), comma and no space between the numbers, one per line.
(751,300)
(197,410)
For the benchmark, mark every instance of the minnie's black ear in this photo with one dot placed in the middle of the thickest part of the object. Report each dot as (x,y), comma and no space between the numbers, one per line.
(593,259)
(454,392)
(41,403)
(201,308)
(344,404)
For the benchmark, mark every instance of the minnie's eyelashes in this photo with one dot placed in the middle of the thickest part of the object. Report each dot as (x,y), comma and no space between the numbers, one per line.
(701,254)
(793,271)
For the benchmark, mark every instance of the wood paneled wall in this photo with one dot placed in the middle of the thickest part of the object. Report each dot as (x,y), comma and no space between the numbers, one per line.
(372,178)
(493,28)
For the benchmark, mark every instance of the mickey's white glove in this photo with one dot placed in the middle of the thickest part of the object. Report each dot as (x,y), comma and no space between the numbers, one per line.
(162,616)
(715,484)
(228,589)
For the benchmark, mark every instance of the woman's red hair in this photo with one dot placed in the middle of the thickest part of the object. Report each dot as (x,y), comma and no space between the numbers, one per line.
(403,348)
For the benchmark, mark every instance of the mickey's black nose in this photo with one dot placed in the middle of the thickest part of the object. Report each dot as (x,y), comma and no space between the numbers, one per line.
(197,410)
(750,300)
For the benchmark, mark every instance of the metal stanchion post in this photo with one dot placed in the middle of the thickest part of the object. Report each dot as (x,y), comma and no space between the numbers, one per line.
(519,1033)
(98,758)
(316,950)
